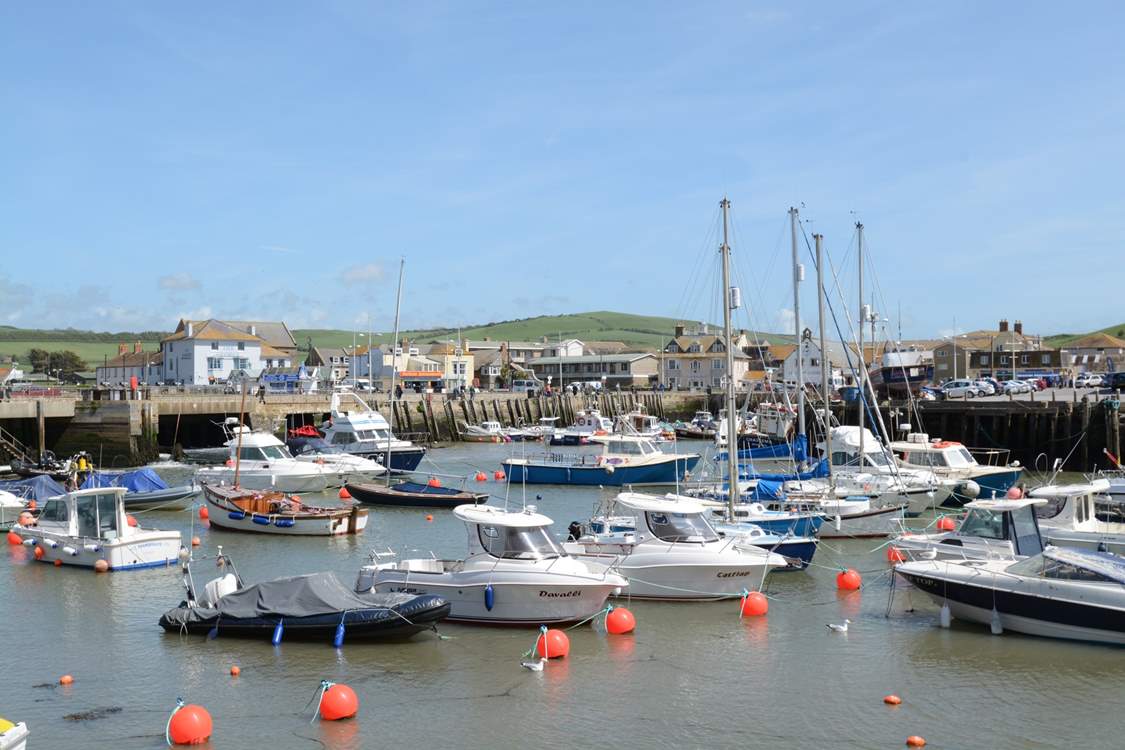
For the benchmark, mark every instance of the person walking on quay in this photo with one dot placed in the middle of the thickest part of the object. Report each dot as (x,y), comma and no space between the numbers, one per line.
(398,391)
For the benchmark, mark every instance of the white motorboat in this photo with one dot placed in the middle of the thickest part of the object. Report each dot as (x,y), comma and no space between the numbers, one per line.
(10,507)
(259,461)
(308,448)
(85,526)
(515,573)
(1082,515)
(673,552)
(485,432)
(1059,593)
(13,736)
(952,461)
(365,432)
(991,530)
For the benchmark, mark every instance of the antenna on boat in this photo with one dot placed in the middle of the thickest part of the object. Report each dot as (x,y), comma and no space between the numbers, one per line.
(394,365)
(238,453)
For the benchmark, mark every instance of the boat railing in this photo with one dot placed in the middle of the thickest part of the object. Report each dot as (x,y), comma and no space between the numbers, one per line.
(990,456)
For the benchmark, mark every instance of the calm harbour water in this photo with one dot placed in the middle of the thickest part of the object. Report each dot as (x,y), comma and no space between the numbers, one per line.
(693,675)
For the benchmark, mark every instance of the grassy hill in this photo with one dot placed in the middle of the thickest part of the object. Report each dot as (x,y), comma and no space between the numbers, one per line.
(92,346)
(637,330)
(1062,339)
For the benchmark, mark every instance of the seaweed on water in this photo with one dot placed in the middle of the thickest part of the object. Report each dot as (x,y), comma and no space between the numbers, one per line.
(94,713)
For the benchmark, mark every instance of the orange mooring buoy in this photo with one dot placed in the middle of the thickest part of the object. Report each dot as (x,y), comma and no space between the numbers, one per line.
(66,680)
(754,604)
(892,700)
(915,741)
(338,702)
(848,580)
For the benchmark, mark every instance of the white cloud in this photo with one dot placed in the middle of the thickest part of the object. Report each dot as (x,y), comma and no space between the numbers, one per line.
(178,281)
(362,274)
(277,249)
(785,320)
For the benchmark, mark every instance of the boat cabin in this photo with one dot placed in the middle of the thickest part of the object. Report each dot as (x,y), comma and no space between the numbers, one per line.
(508,535)
(1070,564)
(627,445)
(92,514)
(702,418)
(592,421)
(1083,506)
(919,450)
(259,446)
(673,521)
(846,450)
(493,427)
(348,428)
(1007,520)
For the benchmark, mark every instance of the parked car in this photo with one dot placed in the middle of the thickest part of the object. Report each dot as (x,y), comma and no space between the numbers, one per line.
(960,389)
(1116,380)
(984,388)
(1087,380)
(1017,387)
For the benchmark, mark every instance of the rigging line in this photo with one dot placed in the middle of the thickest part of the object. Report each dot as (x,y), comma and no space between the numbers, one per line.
(763,280)
(701,258)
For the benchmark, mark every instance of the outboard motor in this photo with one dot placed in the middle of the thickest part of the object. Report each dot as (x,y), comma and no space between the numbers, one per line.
(574,531)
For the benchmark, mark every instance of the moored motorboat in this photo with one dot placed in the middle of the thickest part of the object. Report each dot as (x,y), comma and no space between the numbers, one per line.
(951,460)
(413,494)
(10,508)
(1060,593)
(1004,529)
(259,461)
(672,551)
(146,490)
(306,445)
(485,432)
(625,460)
(266,512)
(365,432)
(515,573)
(308,607)
(1082,514)
(87,526)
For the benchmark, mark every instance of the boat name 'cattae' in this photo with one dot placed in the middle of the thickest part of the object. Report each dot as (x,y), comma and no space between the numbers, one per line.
(560,594)
(733,574)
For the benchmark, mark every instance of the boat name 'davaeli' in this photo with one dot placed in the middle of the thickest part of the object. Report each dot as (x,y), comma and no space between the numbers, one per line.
(560,594)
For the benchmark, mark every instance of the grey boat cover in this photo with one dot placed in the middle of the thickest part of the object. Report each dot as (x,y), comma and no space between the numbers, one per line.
(301,596)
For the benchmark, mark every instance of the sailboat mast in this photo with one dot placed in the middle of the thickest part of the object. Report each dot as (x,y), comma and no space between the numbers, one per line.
(238,451)
(394,364)
(862,321)
(729,299)
(825,363)
(797,322)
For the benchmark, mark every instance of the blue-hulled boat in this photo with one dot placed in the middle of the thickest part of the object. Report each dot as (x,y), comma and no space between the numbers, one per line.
(625,460)
(951,460)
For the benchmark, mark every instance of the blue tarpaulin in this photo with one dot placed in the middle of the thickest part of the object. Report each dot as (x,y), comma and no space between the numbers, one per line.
(35,488)
(766,490)
(819,471)
(797,451)
(139,480)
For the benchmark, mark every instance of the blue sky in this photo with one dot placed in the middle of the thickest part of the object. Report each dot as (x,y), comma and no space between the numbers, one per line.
(273,160)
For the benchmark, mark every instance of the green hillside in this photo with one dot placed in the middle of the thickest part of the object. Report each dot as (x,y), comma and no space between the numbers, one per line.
(1062,339)
(636,330)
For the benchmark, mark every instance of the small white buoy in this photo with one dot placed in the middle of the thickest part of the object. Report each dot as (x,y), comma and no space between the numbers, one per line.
(994,623)
(946,617)
(837,522)
(839,627)
(534,666)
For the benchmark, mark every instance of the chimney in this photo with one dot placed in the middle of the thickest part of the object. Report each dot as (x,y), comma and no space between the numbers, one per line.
(121,349)
(1003,325)
(1019,327)
(253,330)
(679,331)
(137,347)
(190,329)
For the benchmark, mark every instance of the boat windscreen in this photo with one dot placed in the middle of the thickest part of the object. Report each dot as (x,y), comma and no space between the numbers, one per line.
(519,543)
(680,527)
(275,452)
(983,523)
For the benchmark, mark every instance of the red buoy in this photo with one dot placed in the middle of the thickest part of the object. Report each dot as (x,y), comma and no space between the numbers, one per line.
(894,555)
(620,621)
(235,671)
(338,702)
(38,553)
(945,523)
(132,521)
(481,476)
(204,514)
(190,725)
(915,741)
(101,566)
(344,494)
(1014,493)
(552,645)
(429,517)
(195,542)
(434,482)
(892,700)
(58,563)
(14,538)
(498,475)
(848,580)
(754,604)
(66,680)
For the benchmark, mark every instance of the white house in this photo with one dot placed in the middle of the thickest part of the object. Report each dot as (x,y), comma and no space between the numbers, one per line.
(811,364)
(203,352)
(146,367)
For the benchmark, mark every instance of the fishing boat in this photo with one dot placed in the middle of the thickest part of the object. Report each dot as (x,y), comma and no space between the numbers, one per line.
(1059,593)
(365,432)
(270,512)
(545,428)
(307,446)
(701,427)
(1004,529)
(515,573)
(485,432)
(84,527)
(308,607)
(145,489)
(1082,514)
(587,424)
(259,461)
(672,551)
(414,494)
(624,460)
(951,460)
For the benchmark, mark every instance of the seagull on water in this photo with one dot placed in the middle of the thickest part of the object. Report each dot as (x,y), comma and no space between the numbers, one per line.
(534,666)
(839,628)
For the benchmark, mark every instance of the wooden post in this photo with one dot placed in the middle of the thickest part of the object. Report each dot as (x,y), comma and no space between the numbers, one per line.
(1085,433)
(40,426)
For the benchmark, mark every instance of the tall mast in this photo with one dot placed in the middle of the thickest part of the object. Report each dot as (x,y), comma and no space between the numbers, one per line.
(862,321)
(394,364)
(797,274)
(824,361)
(238,450)
(729,300)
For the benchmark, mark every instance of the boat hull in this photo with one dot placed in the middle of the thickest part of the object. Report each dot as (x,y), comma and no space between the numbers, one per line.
(172,498)
(227,516)
(991,484)
(669,471)
(314,481)
(151,549)
(375,494)
(1097,542)
(404,460)
(878,522)
(1023,612)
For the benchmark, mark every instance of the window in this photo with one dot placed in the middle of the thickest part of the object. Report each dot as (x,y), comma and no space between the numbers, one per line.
(55,511)
(343,438)
(983,523)
(1026,532)
(214,363)
(214,346)
(518,543)
(681,527)
(1046,359)
(985,359)
(717,381)
(1025,359)
(673,364)
(241,346)
(242,364)
(717,364)
(694,348)
(695,365)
